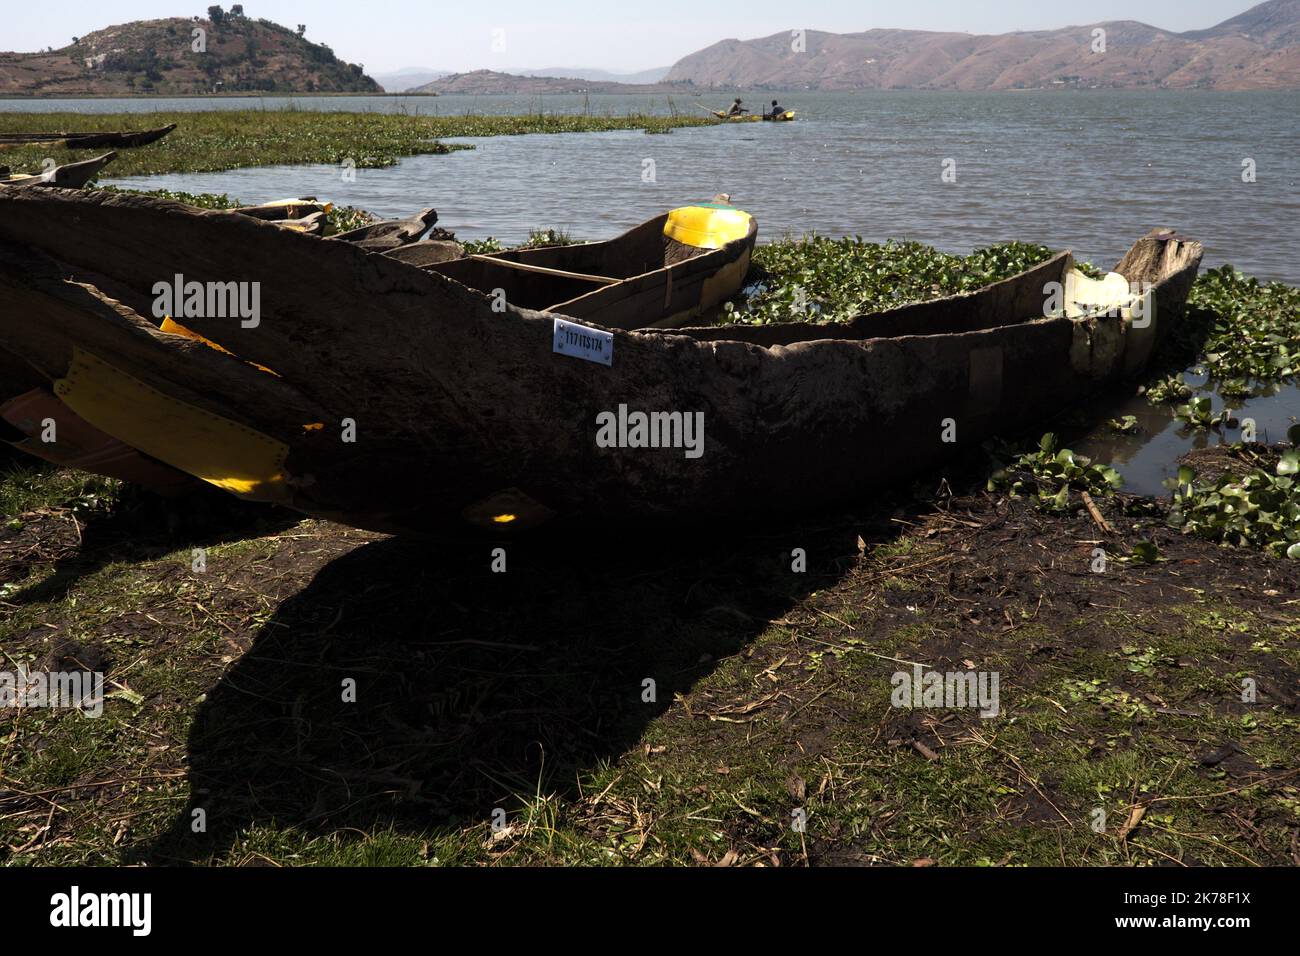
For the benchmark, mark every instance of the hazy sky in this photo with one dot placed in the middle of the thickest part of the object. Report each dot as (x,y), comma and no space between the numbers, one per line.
(614,34)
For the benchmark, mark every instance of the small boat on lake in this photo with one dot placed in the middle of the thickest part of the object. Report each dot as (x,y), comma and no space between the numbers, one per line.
(783,116)
(386,396)
(69,176)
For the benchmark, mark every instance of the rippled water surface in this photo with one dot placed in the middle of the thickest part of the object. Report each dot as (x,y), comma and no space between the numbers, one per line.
(1087,170)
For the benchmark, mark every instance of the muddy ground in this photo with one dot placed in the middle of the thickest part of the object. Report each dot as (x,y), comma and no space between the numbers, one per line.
(520,699)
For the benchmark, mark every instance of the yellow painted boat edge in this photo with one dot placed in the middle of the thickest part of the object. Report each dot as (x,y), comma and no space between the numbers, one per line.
(707,227)
(223,453)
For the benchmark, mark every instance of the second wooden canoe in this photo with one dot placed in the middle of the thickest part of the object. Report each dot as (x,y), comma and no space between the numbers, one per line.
(121,140)
(669,271)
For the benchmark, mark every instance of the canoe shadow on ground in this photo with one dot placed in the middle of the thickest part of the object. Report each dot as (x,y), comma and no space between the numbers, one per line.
(474,686)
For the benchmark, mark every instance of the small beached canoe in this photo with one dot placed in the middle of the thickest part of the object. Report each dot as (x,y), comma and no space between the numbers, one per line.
(69,176)
(123,140)
(309,225)
(391,233)
(283,209)
(390,397)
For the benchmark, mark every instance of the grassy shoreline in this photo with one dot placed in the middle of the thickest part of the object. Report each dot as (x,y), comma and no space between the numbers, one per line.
(222,140)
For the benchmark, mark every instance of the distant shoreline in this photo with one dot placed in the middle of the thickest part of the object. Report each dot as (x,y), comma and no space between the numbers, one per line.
(708,93)
(199,96)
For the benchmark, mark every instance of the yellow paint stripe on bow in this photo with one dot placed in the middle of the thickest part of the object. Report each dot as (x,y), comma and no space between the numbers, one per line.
(172,327)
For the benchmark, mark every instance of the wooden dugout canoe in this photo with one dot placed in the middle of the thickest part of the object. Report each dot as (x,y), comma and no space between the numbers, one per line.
(464,416)
(785,116)
(669,271)
(391,233)
(283,210)
(68,176)
(122,140)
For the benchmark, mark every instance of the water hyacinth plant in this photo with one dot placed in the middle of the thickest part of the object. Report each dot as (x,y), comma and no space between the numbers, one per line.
(819,279)
(1199,414)
(1167,390)
(1256,332)
(1049,475)
(1260,509)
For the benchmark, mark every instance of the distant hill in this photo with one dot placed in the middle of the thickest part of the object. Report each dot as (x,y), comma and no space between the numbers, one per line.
(603,76)
(401,81)
(158,56)
(1258,50)
(487,82)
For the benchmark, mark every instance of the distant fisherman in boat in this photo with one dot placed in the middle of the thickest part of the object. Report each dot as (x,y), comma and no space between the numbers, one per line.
(737,108)
(776,110)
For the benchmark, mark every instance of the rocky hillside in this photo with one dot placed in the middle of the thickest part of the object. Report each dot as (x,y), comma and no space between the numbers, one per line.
(1259,49)
(233,54)
(487,82)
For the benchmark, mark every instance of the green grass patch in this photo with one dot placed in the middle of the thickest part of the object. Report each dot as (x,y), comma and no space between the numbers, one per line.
(221,140)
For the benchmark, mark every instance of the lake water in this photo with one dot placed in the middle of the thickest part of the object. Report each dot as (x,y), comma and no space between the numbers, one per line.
(1086,170)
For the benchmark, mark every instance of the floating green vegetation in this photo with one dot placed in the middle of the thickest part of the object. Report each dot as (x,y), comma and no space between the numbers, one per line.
(198,200)
(819,279)
(236,139)
(1169,389)
(483,247)
(539,238)
(1256,330)
(1199,414)
(1049,475)
(1260,509)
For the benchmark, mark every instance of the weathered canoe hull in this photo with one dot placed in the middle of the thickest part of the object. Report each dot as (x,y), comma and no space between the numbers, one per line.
(129,140)
(391,234)
(465,416)
(117,140)
(68,176)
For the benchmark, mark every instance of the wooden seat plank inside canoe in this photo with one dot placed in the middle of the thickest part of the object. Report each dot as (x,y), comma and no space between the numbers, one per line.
(525,285)
(543,270)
